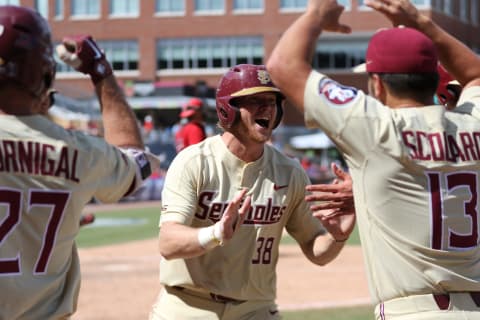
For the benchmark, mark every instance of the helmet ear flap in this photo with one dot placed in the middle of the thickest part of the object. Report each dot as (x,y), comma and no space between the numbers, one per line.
(279,116)
(228,113)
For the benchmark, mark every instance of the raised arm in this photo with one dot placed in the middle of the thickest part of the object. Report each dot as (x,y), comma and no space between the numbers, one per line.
(461,62)
(290,62)
(119,121)
(83,54)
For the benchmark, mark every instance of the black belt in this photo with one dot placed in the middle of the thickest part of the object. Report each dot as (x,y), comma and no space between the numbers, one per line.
(213,296)
(443,300)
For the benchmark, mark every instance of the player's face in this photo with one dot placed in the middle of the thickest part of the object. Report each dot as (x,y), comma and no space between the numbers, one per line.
(257,116)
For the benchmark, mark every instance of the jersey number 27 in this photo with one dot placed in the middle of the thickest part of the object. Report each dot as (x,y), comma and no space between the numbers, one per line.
(12,199)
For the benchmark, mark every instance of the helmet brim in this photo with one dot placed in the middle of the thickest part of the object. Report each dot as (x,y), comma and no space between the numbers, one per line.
(255,90)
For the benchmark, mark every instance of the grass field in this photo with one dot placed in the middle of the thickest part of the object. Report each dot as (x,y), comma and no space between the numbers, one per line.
(119,226)
(123,225)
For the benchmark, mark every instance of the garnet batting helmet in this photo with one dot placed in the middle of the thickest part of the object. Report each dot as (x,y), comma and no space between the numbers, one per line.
(26,52)
(448,89)
(243,80)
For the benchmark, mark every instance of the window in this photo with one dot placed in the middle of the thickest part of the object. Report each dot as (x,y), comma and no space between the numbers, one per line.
(360,3)
(340,53)
(85,7)
(209,6)
(9,2)
(58,9)
(464,10)
(447,7)
(170,6)
(208,53)
(42,7)
(474,12)
(122,55)
(422,3)
(124,8)
(293,4)
(346,3)
(247,5)
(418,3)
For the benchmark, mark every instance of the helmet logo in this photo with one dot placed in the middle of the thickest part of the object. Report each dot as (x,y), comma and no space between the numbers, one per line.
(2,28)
(263,76)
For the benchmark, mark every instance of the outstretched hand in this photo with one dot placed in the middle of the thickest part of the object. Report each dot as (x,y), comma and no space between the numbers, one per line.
(329,12)
(336,209)
(234,215)
(399,12)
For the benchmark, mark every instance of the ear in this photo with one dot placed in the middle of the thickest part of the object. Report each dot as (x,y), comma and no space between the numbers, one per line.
(377,88)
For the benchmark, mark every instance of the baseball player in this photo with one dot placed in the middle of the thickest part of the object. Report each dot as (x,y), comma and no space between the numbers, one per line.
(48,174)
(226,202)
(193,129)
(415,166)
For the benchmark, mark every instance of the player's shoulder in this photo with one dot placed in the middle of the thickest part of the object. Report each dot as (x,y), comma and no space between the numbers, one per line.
(279,158)
(286,166)
(82,140)
(44,129)
(335,95)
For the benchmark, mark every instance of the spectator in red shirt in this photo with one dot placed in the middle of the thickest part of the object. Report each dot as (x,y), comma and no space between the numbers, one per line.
(193,131)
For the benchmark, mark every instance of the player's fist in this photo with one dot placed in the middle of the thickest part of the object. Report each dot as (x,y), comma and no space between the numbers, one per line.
(83,54)
(87,218)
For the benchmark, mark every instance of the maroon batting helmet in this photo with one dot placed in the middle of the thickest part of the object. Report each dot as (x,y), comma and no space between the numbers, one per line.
(448,89)
(243,80)
(26,52)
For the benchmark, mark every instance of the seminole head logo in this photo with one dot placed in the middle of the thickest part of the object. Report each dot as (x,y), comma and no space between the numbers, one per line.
(263,77)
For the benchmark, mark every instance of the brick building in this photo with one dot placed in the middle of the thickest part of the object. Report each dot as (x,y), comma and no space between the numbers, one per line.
(181,47)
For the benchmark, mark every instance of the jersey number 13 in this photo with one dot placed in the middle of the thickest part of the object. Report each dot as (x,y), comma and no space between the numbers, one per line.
(468,236)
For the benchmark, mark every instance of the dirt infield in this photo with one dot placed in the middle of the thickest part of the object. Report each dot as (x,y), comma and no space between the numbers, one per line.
(121,281)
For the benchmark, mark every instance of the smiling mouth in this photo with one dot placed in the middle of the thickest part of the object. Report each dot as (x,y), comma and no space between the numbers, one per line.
(262,122)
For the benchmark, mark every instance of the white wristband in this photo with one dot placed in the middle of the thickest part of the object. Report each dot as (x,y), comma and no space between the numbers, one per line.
(210,237)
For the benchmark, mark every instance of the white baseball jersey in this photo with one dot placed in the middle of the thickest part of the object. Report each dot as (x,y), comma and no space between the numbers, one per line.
(47,175)
(416,183)
(200,183)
